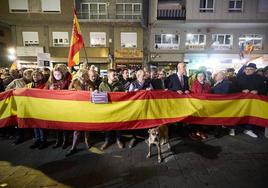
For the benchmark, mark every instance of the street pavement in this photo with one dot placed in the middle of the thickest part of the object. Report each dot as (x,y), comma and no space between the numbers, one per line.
(224,161)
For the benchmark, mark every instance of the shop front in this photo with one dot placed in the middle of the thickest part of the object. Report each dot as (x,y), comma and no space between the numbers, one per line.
(217,62)
(128,58)
(165,61)
(96,56)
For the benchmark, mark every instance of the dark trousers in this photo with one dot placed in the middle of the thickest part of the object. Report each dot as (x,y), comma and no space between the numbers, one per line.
(62,136)
(108,135)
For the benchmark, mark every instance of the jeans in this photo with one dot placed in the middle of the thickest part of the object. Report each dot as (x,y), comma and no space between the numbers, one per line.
(39,134)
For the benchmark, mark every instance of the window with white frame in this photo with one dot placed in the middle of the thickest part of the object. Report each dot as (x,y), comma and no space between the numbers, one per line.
(50,5)
(235,5)
(128,10)
(30,38)
(255,39)
(167,41)
(222,41)
(18,5)
(97,39)
(60,39)
(206,6)
(262,6)
(93,11)
(195,41)
(128,40)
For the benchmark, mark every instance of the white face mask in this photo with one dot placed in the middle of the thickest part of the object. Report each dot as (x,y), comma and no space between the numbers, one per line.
(57,75)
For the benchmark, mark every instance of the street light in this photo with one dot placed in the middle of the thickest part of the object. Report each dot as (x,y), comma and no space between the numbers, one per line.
(11,54)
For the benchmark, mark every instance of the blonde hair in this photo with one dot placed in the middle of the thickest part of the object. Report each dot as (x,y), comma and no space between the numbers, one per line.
(81,72)
(139,72)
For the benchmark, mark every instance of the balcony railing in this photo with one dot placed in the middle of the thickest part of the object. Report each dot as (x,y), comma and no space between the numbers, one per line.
(88,16)
(171,14)
(108,17)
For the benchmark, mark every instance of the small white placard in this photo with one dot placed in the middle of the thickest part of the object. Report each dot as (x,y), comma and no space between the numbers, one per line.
(99,97)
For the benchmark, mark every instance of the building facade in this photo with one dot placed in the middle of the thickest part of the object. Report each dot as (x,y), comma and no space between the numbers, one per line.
(211,33)
(112,30)
(5,42)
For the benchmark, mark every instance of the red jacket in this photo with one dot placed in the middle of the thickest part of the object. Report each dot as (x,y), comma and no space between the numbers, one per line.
(199,88)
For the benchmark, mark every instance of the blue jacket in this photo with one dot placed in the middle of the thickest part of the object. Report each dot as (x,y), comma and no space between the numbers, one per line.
(223,87)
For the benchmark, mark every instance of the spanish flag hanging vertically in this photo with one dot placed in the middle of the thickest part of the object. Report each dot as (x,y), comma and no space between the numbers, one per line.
(76,43)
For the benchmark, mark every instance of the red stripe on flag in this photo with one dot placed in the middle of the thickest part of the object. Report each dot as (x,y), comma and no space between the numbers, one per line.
(6,94)
(6,122)
(137,124)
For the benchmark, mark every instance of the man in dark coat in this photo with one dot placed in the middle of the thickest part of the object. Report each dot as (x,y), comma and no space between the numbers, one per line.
(125,81)
(155,81)
(249,82)
(179,82)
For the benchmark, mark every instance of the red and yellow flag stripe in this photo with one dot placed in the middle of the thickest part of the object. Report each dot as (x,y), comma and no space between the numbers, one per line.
(72,110)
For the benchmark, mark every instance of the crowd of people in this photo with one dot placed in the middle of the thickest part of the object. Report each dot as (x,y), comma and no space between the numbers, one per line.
(248,79)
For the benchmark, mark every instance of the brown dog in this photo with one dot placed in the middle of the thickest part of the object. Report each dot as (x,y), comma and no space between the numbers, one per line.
(157,136)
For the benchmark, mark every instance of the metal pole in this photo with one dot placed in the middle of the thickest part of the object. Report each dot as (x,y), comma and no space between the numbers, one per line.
(85,52)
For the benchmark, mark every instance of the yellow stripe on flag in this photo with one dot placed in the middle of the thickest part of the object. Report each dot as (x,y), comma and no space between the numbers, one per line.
(82,111)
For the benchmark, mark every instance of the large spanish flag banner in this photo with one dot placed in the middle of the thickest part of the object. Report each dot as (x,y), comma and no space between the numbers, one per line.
(73,110)
(76,43)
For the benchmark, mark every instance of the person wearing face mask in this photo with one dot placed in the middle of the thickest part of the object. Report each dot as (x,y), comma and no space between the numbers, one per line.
(111,85)
(39,135)
(81,82)
(60,79)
